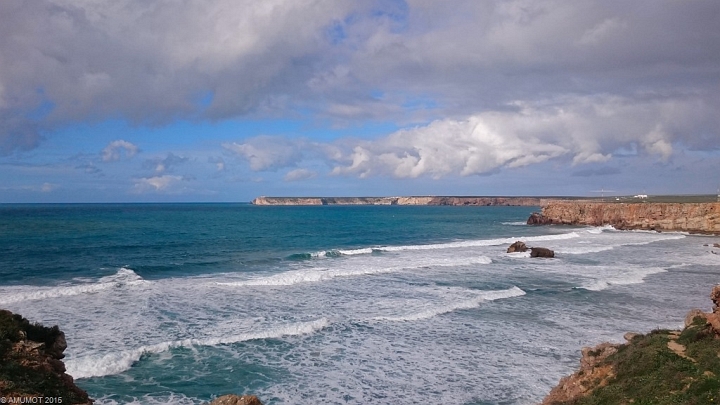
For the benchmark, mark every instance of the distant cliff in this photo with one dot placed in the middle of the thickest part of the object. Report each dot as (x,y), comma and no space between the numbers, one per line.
(412,200)
(687,217)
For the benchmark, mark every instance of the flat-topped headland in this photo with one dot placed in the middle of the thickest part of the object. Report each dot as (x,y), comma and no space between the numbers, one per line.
(703,218)
(409,200)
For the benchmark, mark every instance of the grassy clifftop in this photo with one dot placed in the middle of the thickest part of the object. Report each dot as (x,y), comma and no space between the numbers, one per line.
(661,367)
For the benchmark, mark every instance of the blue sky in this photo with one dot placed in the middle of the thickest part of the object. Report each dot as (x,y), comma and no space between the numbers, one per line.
(219,100)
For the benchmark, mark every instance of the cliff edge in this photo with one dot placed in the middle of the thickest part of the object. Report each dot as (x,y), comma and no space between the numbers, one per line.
(661,367)
(31,370)
(685,217)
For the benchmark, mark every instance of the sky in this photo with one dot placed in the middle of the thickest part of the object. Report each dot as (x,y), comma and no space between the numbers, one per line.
(227,100)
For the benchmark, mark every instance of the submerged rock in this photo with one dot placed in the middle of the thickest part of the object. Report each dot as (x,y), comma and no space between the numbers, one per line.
(541,252)
(236,400)
(518,246)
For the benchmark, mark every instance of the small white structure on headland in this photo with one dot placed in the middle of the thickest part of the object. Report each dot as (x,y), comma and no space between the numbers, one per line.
(641,196)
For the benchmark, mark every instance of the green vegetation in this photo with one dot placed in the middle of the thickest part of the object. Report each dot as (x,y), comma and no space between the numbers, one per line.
(647,371)
(29,372)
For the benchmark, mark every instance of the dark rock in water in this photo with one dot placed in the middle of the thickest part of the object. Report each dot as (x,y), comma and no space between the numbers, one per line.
(717,245)
(541,252)
(518,246)
(236,400)
(537,218)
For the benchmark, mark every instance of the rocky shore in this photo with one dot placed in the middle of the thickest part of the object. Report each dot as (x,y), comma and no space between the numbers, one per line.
(31,367)
(416,200)
(685,217)
(661,367)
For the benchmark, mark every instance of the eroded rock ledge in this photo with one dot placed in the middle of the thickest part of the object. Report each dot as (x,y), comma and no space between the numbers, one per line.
(686,217)
(31,369)
(416,200)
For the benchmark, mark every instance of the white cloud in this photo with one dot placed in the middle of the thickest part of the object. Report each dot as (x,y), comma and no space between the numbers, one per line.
(575,130)
(48,187)
(299,174)
(157,183)
(115,149)
(267,152)
(603,31)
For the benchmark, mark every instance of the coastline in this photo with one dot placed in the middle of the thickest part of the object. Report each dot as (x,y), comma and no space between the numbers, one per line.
(518,302)
(409,200)
(700,218)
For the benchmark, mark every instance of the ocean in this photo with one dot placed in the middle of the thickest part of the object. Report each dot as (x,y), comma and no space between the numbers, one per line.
(180,303)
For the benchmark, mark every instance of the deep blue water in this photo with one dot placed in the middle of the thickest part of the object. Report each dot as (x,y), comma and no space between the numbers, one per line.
(178,303)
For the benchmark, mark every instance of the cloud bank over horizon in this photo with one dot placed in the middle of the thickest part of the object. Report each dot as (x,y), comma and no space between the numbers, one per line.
(210,99)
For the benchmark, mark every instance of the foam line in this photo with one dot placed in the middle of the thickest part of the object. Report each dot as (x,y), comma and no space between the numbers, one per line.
(114,363)
(465,304)
(622,279)
(317,275)
(124,277)
(434,246)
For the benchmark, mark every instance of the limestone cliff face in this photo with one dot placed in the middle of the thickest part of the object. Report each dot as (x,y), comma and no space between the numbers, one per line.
(287,201)
(688,217)
(412,200)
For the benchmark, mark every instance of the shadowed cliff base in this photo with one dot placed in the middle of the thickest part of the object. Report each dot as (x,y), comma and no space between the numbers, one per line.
(662,367)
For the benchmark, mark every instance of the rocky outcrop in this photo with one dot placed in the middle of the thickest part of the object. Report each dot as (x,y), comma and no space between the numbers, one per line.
(686,217)
(593,373)
(537,218)
(30,362)
(236,400)
(412,200)
(666,367)
(541,252)
(518,246)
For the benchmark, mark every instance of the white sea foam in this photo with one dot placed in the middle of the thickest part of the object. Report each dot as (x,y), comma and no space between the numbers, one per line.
(599,229)
(293,277)
(517,223)
(435,246)
(629,276)
(155,399)
(117,362)
(464,304)
(123,278)
(478,243)
(583,249)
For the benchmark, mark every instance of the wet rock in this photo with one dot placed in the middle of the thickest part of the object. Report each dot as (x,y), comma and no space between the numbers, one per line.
(236,400)
(537,218)
(518,246)
(541,252)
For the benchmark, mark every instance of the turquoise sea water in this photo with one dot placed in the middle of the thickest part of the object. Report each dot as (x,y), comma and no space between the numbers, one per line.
(178,303)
